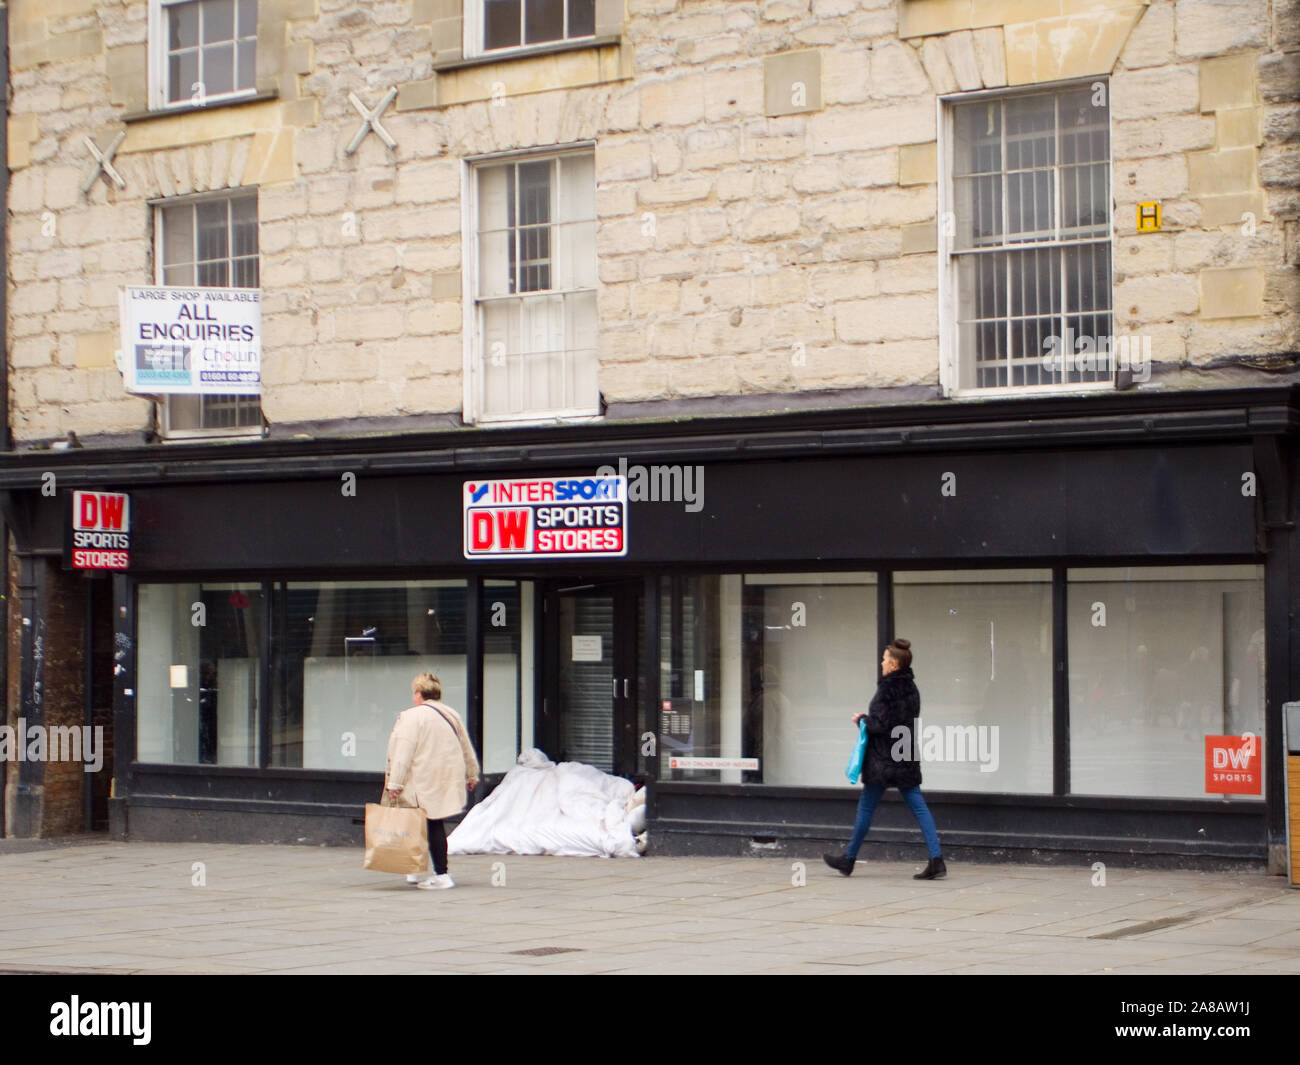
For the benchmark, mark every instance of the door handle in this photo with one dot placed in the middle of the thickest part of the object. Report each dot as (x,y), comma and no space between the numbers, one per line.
(614,681)
(625,687)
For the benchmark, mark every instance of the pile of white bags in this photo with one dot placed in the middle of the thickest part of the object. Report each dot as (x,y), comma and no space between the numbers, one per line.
(569,809)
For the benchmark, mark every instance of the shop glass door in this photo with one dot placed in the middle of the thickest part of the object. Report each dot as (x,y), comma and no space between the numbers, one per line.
(595,674)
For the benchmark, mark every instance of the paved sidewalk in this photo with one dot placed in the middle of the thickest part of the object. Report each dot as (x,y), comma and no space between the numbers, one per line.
(147,907)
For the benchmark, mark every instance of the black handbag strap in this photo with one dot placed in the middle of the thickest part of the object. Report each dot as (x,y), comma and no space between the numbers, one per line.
(449,721)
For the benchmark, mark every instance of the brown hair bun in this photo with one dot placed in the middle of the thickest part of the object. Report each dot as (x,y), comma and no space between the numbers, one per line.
(900,651)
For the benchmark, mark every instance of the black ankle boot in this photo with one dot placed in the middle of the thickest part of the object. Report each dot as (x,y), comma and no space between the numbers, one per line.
(936,870)
(839,862)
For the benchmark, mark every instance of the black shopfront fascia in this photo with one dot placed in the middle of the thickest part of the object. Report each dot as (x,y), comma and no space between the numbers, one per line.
(1115,480)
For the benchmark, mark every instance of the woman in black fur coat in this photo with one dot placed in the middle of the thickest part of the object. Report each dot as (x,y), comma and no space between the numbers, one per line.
(896,704)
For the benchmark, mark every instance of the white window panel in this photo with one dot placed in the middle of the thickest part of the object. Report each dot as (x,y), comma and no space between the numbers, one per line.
(1028,265)
(575,236)
(984,641)
(209,242)
(534,289)
(201,51)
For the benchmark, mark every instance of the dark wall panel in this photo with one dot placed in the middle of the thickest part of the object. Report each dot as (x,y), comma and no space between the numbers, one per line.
(1162,502)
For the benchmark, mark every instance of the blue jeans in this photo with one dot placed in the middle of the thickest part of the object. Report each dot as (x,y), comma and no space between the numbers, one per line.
(915,802)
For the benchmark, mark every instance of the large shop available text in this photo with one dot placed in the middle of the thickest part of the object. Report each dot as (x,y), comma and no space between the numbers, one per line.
(177,340)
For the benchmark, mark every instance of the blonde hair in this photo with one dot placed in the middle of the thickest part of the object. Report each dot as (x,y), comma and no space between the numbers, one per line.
(427,686)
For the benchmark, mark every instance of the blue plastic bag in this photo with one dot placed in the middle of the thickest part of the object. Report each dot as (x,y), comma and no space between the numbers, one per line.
(854,769)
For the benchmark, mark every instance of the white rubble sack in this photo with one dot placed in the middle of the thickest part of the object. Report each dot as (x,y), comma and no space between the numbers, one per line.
(570,809)
(636,812)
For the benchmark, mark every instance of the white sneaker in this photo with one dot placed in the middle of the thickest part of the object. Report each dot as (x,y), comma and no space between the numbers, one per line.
(415,878)
(437,883)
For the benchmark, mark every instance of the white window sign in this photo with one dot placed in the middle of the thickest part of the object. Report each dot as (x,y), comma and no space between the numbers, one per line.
(587,649)
(192,340)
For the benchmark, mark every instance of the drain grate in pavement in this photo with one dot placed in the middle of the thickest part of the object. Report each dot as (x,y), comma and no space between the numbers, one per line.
(538,952)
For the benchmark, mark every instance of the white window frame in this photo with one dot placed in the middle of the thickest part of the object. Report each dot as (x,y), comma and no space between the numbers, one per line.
(472,371)
(157,63)
(476,13)
(165,429)
(949,353)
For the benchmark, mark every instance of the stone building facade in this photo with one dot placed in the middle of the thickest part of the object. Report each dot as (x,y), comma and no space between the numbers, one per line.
(745,244)
(823,251)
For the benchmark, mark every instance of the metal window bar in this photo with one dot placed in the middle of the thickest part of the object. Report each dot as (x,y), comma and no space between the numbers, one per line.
(1059,374)
(222,411)
(1062,373)
(227,411)
(536,212)
(1001,236)
(512,235)
(1016,363)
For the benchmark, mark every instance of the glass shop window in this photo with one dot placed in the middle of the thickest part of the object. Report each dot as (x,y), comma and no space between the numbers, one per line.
(982,656)
(198,665)
(1161,657)
(345,660)
(508,672)
(768,667)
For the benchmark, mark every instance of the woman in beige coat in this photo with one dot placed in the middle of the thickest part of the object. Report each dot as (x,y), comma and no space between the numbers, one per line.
(431,763)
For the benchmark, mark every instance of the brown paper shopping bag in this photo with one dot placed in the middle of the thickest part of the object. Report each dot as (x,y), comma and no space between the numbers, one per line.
(396,838)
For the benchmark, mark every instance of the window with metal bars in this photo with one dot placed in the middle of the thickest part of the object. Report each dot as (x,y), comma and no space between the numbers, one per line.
(1029,256)
(209,243)
(519,23)
(534,283)
(204,50)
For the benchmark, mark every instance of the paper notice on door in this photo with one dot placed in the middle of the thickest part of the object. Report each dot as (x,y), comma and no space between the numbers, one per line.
(587,648)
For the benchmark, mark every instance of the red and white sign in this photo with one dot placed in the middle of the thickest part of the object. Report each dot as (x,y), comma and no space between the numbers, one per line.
(1234,765)
(546,517)
(101,530)
(712,763)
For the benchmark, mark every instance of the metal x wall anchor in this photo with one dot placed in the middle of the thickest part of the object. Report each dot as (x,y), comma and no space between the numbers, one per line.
(104,162)
(372,120)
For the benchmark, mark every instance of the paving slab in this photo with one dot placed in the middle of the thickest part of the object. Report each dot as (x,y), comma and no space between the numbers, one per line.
(133,907)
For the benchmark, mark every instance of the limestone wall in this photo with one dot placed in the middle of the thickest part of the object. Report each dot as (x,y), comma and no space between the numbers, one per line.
(749,241)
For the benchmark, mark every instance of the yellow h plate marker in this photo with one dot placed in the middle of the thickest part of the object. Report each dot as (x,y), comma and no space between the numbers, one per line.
(1148,217)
